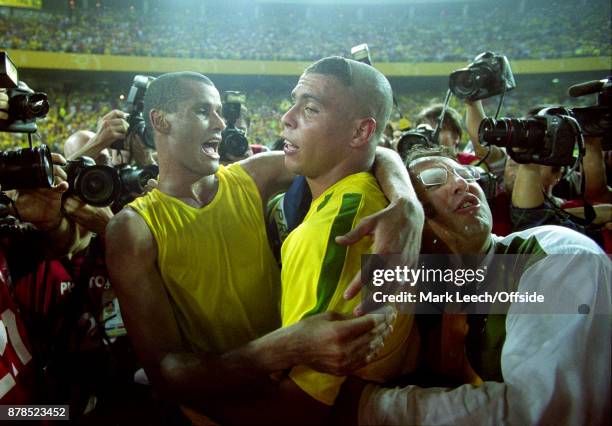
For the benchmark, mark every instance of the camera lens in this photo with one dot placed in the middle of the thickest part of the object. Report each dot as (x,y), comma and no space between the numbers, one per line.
(26,168)
(134,180)
(234,142)
(465,82)
(512,132)
(97,185)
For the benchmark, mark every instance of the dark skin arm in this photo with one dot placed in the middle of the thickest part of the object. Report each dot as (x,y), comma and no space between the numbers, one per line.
(284,404)
(269,173)
(325,342)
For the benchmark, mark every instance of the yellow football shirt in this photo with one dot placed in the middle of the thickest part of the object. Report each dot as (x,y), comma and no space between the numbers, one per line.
(316,271)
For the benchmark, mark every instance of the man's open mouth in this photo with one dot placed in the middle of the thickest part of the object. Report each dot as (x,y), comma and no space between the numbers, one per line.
(210,148)
(290,147)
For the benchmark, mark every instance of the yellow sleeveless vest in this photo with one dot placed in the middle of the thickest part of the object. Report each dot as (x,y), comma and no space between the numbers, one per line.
(216,264)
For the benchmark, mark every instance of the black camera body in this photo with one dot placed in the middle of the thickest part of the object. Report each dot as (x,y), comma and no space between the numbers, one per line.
(233,140)
(26,168)
(25,105)
(488,184)
(487,76)
(135,107)
(548,138)
(101,186)
(422,136)
(96,185)
(595,120)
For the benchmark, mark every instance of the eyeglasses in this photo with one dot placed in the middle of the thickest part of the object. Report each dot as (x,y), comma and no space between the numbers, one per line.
(437,176)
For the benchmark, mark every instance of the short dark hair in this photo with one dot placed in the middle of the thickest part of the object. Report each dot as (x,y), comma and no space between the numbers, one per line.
(431,114)
(371,89)
(422,152)
(165,92)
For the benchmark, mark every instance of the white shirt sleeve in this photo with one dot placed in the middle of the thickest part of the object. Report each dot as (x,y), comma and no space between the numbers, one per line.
(556,367)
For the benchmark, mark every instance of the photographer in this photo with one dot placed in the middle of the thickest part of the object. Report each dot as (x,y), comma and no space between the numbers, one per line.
(537,367)
(450,137)
(533,203)
(61,287)
(235,145)
(451,131)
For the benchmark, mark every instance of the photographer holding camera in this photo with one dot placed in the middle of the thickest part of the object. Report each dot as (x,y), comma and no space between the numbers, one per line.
(542,144)
(59,278)
(234,143)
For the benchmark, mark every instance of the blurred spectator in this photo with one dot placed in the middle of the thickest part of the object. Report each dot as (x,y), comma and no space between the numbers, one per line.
(431,32)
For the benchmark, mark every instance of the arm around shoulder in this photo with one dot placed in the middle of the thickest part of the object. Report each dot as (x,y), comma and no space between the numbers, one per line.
(269,172)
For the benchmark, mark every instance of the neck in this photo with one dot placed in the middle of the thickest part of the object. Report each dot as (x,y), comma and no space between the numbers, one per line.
(195,190)
(471,247)
(318,185)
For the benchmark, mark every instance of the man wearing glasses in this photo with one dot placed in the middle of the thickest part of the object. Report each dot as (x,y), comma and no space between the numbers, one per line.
(538,364)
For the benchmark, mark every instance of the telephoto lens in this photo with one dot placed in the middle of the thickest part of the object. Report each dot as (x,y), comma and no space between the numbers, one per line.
(26,168)
(512,132)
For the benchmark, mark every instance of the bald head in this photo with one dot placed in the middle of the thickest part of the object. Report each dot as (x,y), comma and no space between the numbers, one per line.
(76,141)
(370,89)
(77,145)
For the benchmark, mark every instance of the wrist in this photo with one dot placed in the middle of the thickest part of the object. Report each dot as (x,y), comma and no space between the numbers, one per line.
(412,209)
(275,351)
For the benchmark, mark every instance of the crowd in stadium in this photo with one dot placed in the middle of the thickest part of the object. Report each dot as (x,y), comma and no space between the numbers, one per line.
(432,33)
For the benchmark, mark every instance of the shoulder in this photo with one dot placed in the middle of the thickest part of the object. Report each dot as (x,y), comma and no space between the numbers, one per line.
(552,239)
(366,187)
(127,231)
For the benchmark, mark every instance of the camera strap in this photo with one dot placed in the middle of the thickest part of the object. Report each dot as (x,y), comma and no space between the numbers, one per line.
(589,211)
(438,128)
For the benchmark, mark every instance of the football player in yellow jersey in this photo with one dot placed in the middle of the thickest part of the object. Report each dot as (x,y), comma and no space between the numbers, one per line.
(331,132)
(148,268)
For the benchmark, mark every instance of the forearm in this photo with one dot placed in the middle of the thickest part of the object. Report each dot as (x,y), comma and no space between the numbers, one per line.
(603,213)
(59,235)
(596,187)
(269,173)
(527,191)
(195,378)
(67,239)
(393,177)
(464,405)
(474,116)
(92,148)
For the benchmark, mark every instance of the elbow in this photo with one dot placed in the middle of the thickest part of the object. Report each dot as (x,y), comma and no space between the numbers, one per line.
(169,382)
